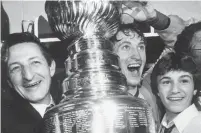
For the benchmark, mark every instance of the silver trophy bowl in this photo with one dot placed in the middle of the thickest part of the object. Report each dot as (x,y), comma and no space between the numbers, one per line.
(77,18)
(95,98)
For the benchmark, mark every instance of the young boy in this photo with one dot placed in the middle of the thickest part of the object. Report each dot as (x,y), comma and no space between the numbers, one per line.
(174,83)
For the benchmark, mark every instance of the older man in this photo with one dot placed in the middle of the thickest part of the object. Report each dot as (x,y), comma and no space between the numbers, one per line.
(29,70)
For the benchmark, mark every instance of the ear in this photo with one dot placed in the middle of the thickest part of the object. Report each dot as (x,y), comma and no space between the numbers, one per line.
(194,92)
(52,68)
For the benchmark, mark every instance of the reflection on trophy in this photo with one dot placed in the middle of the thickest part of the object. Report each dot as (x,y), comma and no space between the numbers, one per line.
(96,100)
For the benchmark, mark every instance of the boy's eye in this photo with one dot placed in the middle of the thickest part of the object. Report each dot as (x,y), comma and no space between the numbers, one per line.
(184,81)
(166,82)
(36,62)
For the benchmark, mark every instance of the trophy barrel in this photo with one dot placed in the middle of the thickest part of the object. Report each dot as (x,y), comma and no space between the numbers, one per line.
(105,112)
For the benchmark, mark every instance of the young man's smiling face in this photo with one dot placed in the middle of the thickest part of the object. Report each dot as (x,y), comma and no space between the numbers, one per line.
(130,48)
(176,90)
(29,72)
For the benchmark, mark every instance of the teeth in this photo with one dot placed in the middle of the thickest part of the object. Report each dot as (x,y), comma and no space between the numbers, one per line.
(175,98)
(30,85)
(134,65)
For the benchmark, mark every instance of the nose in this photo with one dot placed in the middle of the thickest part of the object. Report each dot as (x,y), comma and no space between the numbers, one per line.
(175,88)
(27,73)
(135,54)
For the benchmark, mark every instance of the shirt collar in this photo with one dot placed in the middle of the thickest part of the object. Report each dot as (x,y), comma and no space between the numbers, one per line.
(133,93)
(41,108)
(164,122)
(182,119)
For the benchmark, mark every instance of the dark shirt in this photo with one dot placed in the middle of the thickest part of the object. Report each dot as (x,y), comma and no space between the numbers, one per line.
(18,115)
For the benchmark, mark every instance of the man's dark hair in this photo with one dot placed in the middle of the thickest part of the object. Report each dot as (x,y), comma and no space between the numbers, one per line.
(125,28)
(17,38)
(183,45)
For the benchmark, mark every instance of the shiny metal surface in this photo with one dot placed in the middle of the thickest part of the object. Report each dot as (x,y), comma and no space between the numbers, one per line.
(90,78)
(114,113)
(93,59)
(82,44)
(75,18)
(95,100)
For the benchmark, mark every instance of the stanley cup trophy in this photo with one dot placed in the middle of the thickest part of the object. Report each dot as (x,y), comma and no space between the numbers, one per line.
(96,100)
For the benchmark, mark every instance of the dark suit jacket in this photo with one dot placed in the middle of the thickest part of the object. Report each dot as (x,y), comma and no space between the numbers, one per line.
(18,115)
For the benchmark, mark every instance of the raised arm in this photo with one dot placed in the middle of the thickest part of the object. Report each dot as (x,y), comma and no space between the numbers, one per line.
(168,27)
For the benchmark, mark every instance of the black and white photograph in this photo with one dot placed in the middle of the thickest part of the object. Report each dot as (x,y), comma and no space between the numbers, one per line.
(100,66)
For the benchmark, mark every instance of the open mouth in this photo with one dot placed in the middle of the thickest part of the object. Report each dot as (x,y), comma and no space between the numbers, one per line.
(32,84)
(175,98)
(134,67)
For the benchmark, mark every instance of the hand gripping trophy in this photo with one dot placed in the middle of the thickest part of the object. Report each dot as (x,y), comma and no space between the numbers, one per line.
(96,100)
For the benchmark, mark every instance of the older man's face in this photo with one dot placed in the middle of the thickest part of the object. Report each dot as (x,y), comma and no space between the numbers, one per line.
(29,72)
(131,50)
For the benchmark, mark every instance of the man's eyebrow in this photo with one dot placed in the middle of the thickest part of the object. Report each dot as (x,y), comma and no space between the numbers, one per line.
(125,42)
(36,57)
(33,57)
(188,76)
(164,77)
(13,63)
(141,42)
(120,43)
